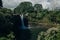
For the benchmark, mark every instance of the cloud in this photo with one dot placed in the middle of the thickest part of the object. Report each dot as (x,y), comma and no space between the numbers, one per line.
(10,3)
(54,4)
(45,3)
(14,3)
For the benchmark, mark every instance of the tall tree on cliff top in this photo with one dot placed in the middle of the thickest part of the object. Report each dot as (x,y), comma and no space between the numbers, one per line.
(23,7)
(38,7)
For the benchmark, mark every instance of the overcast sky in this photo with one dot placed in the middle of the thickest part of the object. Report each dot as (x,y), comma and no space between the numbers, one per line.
(46,3)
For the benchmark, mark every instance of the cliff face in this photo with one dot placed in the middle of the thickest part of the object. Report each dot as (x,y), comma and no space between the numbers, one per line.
(1,3)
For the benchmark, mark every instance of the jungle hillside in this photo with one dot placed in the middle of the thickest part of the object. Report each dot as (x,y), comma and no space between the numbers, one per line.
(44,23)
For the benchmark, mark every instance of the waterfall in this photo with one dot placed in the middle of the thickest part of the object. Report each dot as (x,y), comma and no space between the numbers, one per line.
(22,21)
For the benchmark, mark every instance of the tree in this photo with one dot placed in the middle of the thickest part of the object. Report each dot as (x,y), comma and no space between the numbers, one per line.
(23,7)
(38,7)
(5,23)
(5,11)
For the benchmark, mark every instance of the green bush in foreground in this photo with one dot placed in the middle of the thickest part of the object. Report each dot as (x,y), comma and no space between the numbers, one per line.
(9,37)
(50,34)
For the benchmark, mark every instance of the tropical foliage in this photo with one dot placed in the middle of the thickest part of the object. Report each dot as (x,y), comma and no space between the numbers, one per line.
(49,21)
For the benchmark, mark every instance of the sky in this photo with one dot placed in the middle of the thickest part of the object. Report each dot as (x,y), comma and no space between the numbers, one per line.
(45,3)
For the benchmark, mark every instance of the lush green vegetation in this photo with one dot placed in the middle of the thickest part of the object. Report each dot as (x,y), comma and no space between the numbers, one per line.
(36,15)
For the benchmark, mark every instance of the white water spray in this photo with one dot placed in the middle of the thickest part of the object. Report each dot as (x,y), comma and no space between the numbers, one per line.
(22,21)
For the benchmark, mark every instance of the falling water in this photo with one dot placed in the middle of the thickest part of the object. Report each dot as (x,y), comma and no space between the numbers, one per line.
(23,26)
